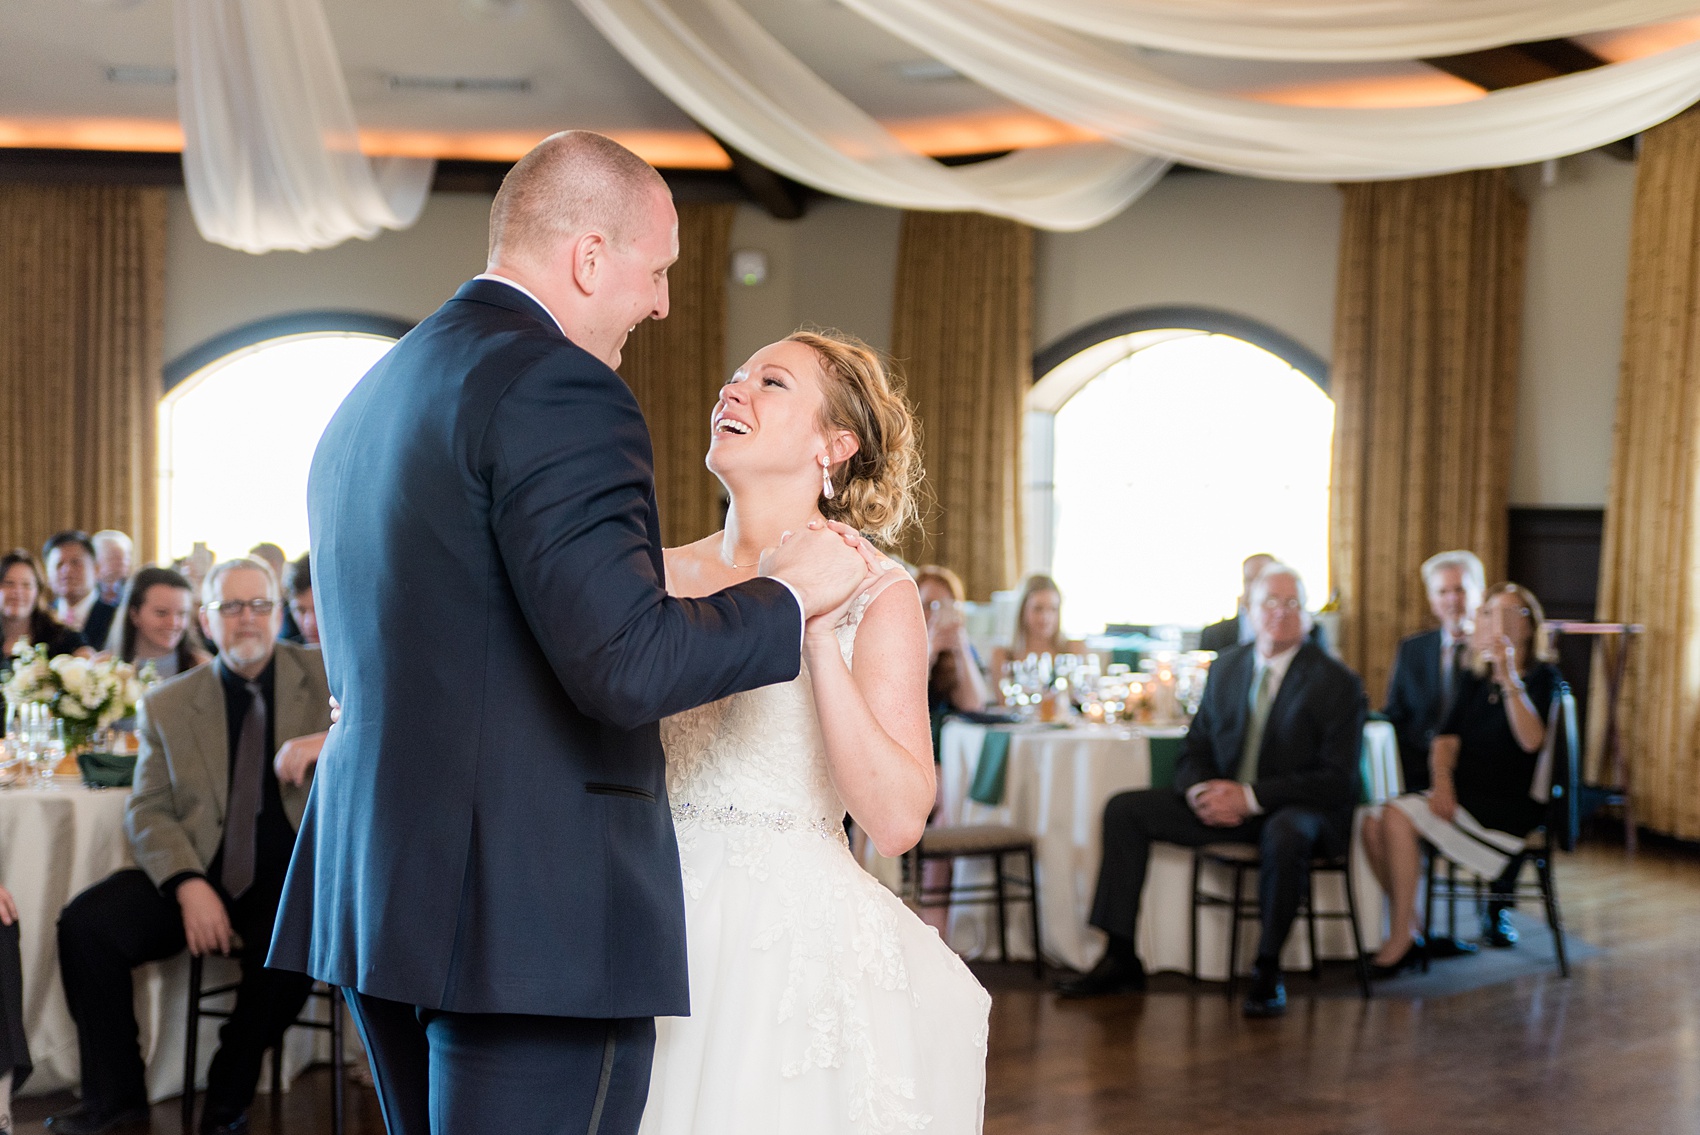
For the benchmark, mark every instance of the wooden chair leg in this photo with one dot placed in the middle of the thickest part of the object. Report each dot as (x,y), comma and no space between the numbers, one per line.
(1003,908)
(1197,903)
(1033,907)
(1234,932)
(339,1070)
(1428,905)
(1358,957)
(1451,899)
(1549,897)
(277,1071)
(1310,931)
(191,1042)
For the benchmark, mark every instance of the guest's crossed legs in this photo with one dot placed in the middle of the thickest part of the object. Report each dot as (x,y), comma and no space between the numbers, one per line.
(440,1073)
(124,921)
(1287,839)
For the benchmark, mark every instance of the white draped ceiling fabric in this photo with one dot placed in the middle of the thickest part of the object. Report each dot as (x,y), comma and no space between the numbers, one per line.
(722,67)
(271,153)
(1342,30)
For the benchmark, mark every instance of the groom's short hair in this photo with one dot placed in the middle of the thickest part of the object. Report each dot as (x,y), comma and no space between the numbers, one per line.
(572,182)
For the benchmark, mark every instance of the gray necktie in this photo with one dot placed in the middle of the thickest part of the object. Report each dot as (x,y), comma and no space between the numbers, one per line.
(246,792)
(1449,679)
(1254,728)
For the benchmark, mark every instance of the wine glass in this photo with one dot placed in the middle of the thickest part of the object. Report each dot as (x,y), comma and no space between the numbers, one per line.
(47,745)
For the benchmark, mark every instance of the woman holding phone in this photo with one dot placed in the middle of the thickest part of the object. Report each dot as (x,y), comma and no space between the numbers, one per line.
(1482,762)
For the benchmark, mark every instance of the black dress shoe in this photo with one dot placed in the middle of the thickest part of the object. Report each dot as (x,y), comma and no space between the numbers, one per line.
(224,1123)
(1450,948)
(1110,976)
(95,1121)
(1410,959)
(1268,997)
(1497,930)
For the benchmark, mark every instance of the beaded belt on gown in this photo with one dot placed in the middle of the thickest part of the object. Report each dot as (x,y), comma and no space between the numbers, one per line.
(731,816)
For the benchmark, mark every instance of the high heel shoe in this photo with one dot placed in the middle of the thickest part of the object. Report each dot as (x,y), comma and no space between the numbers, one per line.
(1410,959)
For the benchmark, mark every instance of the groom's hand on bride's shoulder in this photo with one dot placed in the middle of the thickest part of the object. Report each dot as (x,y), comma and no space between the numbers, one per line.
(823,565)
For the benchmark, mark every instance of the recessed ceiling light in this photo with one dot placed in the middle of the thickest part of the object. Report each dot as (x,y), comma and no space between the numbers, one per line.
(459,84)
(928,71)
(142,76)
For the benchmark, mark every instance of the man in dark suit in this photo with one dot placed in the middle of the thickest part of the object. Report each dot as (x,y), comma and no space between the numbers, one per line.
(1271,759)
(1239,630)
(211,822)
(71,573)
(488,864)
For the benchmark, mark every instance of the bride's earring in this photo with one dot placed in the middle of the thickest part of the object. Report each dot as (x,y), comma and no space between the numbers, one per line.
(825,479)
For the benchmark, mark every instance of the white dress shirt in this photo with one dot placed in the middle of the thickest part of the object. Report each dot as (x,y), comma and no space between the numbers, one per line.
(76,616)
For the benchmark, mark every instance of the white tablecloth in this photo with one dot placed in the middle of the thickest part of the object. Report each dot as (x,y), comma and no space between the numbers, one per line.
(53,845)
(1056,785)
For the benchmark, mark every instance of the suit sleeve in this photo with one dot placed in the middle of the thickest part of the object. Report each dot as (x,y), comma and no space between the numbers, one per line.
(1330,780)
(1398,708)
(160,842)
(1198,759)
(570,511)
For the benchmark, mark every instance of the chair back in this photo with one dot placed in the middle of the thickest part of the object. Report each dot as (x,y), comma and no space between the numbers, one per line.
(1557,774)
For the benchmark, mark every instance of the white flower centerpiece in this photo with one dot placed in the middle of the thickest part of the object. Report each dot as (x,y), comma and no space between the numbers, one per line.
(88,696)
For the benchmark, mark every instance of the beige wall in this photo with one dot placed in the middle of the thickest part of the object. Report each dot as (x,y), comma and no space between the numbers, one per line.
(1261,249)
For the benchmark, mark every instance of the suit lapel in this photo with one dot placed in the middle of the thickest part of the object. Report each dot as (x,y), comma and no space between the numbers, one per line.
(1292,689)
(1239,713)
(212,737)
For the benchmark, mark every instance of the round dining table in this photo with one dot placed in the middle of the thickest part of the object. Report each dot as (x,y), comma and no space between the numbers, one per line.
(1054,783)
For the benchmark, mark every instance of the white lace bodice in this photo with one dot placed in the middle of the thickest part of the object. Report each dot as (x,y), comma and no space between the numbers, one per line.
(756,759)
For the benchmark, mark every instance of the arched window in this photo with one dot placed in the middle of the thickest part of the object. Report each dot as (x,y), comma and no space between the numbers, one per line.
(1164,447)
(239,423)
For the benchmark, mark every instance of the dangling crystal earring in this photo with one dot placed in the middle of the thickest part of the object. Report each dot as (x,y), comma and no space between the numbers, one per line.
(825,479)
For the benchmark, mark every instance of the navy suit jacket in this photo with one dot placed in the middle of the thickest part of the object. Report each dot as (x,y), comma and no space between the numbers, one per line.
(489,829)
(1312,742)
(1414,696)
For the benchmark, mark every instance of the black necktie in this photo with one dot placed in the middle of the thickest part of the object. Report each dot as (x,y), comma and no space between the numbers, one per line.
(246,793)
(1449,681)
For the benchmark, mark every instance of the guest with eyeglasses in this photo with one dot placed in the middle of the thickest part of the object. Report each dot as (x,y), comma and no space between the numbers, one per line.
(1482,765)
(24,614)
(156,626)
(212,823)
(1271,760)
(69,558)
(1239,628)
(954,680)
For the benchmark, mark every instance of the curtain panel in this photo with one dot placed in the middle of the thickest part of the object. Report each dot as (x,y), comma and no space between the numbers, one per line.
(962,335)
(676,368)
(1428,323)
(1649,559)
(82,300)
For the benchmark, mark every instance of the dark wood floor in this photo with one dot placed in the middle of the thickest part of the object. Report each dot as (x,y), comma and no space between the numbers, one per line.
(1614,1049)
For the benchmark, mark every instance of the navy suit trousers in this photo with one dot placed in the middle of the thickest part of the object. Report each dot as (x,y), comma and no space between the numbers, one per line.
(441,1073)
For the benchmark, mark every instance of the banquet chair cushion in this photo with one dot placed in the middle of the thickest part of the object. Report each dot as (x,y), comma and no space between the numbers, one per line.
(975,839)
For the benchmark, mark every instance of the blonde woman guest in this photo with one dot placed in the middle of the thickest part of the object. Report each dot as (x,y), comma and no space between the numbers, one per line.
(1038,625)
(954,680)
(1482,762)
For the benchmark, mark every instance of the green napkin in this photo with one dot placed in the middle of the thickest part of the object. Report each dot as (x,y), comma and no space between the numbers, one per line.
(1165,755)
(990,772)
(107,770)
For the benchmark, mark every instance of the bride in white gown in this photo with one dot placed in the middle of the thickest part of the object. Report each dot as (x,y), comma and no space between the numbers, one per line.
(819,1003)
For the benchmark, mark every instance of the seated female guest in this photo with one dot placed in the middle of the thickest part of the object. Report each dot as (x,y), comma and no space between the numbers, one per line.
(1482,763)
(1038,625)
(954,681)
(24,615)
(155,624)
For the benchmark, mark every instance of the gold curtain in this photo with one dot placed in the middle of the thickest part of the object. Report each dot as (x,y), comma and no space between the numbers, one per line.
(962,335)
(1427,327)
(1648,564)
(676,368)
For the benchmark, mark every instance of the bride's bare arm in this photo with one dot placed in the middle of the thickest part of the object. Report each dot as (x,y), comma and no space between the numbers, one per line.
(879,745)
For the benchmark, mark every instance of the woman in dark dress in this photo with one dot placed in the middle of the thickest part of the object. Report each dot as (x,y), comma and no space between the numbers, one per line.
(1483,761)
(24,615)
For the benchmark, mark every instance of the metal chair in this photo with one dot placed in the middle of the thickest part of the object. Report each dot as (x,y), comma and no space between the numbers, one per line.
(1559,832)
(191,1045)
(982,841)
(1243,859)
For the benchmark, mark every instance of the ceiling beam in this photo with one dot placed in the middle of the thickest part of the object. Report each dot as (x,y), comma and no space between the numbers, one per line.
(1519,64)
(784,199)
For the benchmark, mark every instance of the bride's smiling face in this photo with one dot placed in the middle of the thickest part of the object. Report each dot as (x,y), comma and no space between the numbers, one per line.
(768,418)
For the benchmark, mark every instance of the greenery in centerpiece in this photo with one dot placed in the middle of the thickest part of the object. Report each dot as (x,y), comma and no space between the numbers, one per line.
(86,695)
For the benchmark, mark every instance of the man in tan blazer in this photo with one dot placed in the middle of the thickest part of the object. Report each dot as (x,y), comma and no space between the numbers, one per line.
(227,753)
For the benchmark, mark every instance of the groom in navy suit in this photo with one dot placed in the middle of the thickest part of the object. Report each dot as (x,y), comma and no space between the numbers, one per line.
(487,865)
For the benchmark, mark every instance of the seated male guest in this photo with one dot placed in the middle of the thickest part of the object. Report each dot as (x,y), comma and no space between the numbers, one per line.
(1240,630)
(1420,689)
(1272,760)
(212,824)
(69,557)
(303,612)
(114,557)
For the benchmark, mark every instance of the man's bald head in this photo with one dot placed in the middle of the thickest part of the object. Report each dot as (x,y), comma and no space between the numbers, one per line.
(572,182)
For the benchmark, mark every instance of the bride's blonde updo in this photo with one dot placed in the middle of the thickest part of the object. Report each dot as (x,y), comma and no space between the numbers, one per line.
(875,490)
